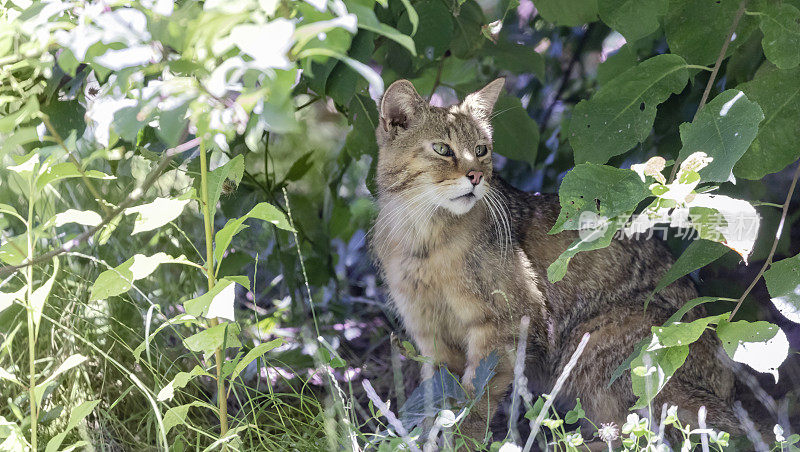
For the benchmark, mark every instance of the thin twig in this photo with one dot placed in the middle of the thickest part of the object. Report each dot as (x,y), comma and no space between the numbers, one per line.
(715,71)
(393,421)
(135,195)
(774,243)
(519,375)
(537,423)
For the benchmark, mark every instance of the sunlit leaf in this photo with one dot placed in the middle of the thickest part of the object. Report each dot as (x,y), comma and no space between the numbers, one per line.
(121,278)
(724,130)
(40,294)
(77,414)
(215,337)
(84,217)
(66,170)
(253,354)
(180,381)
(71,362)
(761,345)
(155,214)
(783,283)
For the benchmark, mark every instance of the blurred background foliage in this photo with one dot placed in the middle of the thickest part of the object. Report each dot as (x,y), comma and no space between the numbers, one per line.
(291,87)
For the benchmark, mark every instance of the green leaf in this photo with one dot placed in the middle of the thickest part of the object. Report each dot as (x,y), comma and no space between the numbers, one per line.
(516,58)
(216,303)
(212,338)
(40,295)
(698,254)
(411,15)
(783,283)
(155,214)
(467,38)
(267,212)
(697,29)
(775,146)
(254,353)
(637,349)
(621,113)
(594,240)
(651,370)
(516,135)
(300,167)
(568,13)
(180,381)
(69,363)
(13,251)
(602,190)
(8,299)
(761,345)
(724,130)
(368,21)
(177,414)
(780,24)
(364,118)
(633,19)
(575,414)
(233,170)
(120,279)
(180,319)
(77,414)
(66,117)
(673,334)
(66,170)
(10,210)
(263,211)
(343,81)
(83,217)
(434,29)
(24,114)
(172,123)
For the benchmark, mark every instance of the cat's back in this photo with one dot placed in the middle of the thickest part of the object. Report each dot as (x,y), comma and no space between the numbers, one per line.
(620,276)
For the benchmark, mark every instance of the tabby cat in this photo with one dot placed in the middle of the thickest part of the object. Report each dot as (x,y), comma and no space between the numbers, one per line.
(464,255)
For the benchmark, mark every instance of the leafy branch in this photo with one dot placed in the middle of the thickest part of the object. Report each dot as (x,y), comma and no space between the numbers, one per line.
(132,198)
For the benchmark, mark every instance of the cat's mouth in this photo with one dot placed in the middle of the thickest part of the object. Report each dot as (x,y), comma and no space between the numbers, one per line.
(467,197)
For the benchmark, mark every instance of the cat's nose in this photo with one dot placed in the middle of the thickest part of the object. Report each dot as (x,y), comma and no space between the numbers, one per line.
(475,177)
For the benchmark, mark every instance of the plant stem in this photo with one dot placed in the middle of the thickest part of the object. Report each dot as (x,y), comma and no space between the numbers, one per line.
(209,229)
(31,327)
(774,243)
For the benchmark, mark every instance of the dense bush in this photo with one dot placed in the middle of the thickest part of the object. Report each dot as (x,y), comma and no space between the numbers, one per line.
(188,184)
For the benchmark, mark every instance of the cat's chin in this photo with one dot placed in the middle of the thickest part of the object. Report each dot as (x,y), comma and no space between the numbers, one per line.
(461,204)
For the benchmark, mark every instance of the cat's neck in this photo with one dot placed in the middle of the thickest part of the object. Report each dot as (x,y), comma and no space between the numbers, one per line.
(403,230)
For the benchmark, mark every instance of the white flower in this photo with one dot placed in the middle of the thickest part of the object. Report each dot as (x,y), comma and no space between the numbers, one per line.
(778,430)
(510,447)
(608,432)
(652,167)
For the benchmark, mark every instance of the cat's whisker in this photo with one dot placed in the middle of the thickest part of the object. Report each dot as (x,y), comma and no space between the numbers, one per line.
(499,230)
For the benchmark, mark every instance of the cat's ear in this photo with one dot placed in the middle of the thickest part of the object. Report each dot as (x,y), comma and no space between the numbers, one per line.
(399,105)
(480,103)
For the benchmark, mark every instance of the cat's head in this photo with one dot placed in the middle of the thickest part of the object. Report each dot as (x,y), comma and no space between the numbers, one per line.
(436,155)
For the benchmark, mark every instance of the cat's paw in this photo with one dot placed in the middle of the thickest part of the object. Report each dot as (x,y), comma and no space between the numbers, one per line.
(467,381)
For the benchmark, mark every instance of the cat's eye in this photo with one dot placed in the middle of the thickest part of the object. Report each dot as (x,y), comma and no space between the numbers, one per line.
(481,150)
(442,149)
